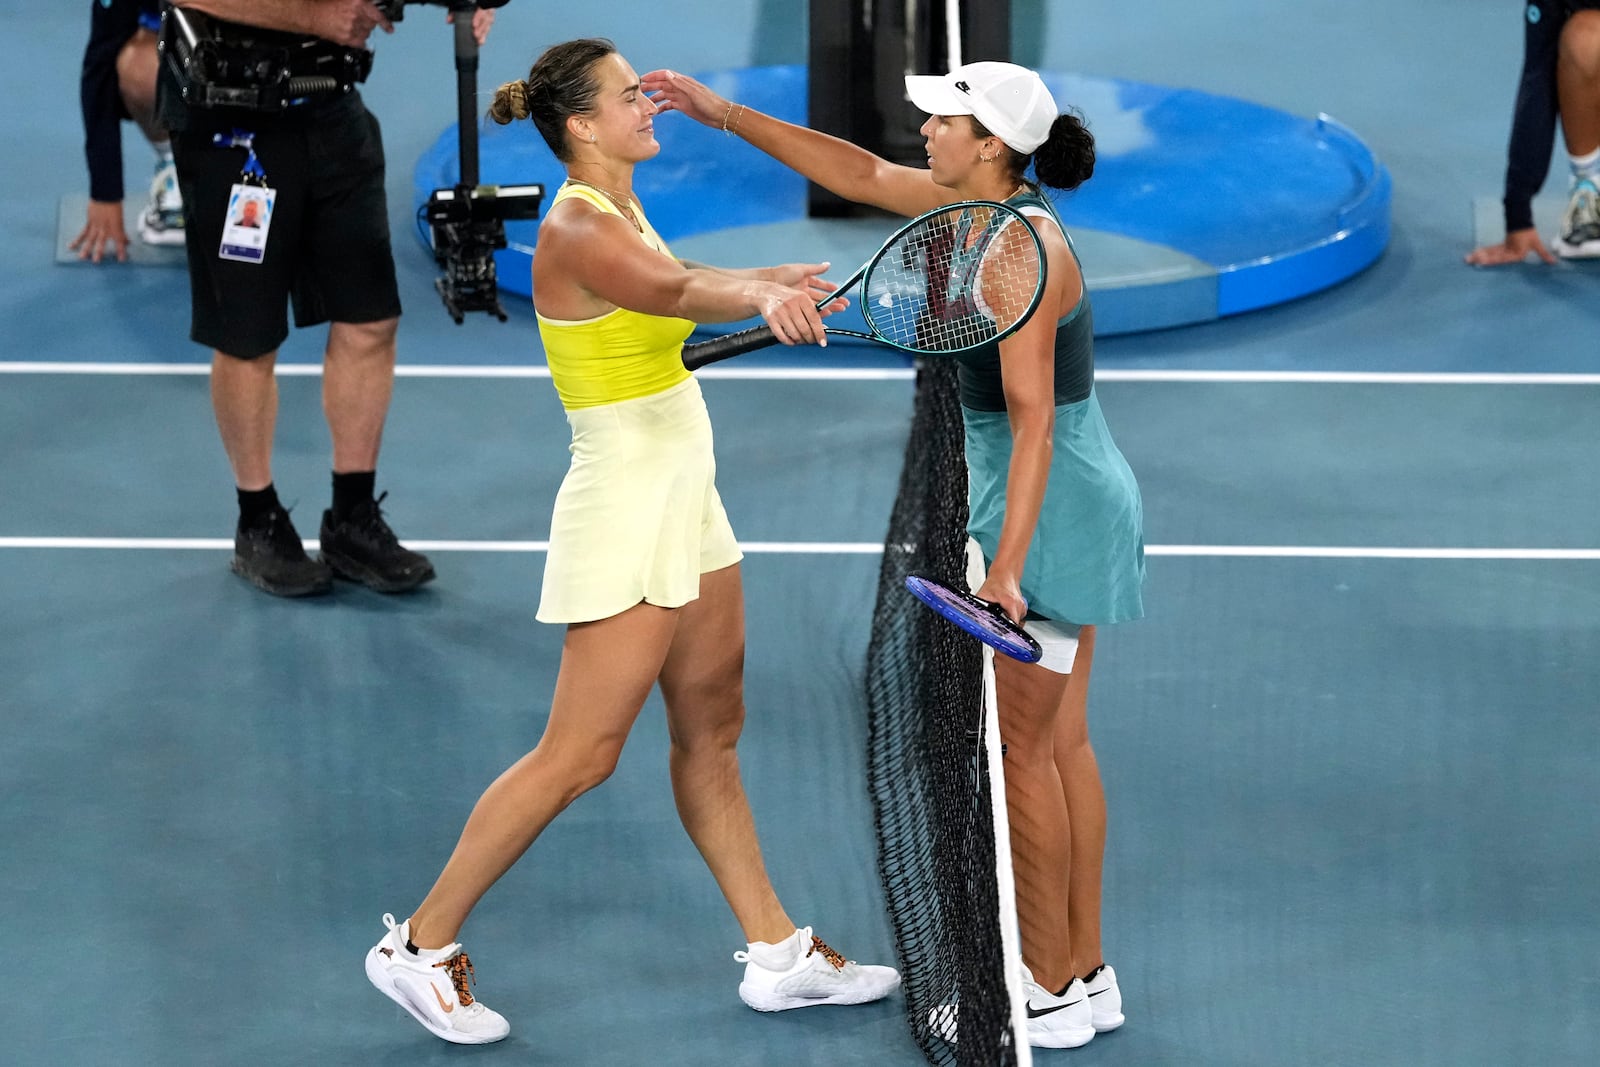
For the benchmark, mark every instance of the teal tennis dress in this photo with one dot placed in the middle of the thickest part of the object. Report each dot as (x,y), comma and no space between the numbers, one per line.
(1086,562)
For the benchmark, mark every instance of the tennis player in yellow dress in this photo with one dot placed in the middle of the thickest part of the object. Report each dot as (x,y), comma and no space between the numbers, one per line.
(643,567)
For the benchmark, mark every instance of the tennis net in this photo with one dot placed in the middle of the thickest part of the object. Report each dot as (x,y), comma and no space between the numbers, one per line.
(933,765)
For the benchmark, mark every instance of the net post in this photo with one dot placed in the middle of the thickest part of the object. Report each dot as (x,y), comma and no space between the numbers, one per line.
(858,54)
(839,87)
(981,29)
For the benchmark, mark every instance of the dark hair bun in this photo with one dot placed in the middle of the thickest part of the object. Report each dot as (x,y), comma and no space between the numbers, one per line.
(1066,159)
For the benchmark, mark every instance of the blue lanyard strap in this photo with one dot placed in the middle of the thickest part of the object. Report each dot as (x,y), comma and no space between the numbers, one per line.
(252,174)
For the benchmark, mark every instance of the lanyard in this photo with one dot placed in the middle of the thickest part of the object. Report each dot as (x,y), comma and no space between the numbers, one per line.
(252,173)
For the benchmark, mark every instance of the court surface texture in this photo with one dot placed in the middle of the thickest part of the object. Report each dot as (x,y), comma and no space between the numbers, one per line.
(1352,755)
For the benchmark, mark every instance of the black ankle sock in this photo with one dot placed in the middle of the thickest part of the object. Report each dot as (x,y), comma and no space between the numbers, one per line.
(1064,989)
(413,949)
(1091,975)
(351,490)
(256,504)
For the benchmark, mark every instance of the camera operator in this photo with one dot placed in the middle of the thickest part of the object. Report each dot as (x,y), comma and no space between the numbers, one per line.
(317,237)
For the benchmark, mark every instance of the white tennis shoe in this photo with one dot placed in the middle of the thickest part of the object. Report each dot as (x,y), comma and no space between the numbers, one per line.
(432,984)
(1054,1022)
(1105,999)
(818,975)
(161,221)
(1580,224)
(1066,1021)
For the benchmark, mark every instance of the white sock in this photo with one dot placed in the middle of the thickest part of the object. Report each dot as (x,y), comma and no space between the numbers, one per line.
(1586,166)
(777,957)
(163,153)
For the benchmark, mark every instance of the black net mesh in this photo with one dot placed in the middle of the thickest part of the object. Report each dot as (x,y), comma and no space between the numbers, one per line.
(929,782)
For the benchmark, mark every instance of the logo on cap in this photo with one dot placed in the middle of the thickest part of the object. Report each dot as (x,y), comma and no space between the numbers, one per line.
(964,87)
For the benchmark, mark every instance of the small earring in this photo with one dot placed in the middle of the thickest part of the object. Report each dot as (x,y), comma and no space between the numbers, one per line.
(591,139)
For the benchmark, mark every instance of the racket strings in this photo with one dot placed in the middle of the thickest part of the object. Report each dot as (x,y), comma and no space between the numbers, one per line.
(956,281)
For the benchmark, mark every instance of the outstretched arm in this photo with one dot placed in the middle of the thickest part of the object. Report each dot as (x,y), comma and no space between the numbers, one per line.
(833,163)
(807,276)
(585,255)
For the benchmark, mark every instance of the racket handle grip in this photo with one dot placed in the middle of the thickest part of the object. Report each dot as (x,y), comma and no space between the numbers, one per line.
(734,344)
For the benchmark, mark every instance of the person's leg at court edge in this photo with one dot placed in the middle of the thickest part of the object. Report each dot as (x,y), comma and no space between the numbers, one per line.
(357,385)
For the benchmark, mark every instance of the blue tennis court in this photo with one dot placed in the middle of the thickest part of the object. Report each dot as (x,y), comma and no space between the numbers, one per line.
(1350,756)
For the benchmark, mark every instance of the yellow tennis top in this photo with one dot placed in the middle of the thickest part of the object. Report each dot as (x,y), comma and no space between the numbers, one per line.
(621,355)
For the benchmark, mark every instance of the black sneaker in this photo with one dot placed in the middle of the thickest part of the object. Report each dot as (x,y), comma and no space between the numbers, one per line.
(363,549)
(271,557)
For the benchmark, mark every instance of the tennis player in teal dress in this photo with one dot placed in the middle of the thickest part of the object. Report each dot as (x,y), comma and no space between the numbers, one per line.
(1085,561)
(1056,519)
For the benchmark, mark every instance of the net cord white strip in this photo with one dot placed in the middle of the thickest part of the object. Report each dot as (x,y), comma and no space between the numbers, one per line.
(1005,880)
(1005,883)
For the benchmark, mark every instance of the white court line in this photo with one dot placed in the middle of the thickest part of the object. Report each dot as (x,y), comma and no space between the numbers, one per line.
(212,544)
(1361,552)
(858,548)
(311,370)
(844,374)
(1317,377)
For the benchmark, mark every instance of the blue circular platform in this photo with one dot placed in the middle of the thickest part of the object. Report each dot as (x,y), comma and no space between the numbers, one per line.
(1201,206)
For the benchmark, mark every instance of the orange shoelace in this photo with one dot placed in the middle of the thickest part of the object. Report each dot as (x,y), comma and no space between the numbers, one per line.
(461,973)
(828,954)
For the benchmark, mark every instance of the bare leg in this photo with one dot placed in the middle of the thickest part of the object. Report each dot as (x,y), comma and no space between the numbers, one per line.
(607,669)
(136,78)
(1041,834)
(244,398)
(1086,809)
(357,382)
(1578,82)
(703,683)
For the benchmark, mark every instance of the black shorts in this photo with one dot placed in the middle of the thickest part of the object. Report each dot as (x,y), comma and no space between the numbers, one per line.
(328,246)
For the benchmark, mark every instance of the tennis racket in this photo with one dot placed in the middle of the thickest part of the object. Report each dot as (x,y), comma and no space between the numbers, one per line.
(949,281)
(980,618)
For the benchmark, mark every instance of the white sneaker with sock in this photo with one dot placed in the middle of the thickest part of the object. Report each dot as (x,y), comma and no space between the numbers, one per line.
(801,972)
(1580,225)
(1064,1021)
(1105,999)
(161,222)
(432,984)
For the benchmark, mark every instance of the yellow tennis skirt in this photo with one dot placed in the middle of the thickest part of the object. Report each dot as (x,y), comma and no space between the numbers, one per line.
(637,517)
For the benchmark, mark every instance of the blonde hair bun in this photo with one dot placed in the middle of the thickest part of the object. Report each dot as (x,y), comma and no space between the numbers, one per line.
(510,102)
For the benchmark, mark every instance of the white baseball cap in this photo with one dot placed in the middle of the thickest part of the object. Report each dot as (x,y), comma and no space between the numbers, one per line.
(1010,101)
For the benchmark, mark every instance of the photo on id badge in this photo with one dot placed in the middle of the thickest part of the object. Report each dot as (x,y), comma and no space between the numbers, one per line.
(249,217)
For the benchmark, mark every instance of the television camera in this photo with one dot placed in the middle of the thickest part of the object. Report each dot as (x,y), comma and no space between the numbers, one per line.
(466,222)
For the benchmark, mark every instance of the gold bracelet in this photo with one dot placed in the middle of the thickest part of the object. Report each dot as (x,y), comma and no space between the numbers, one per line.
(735,129)
(725,115)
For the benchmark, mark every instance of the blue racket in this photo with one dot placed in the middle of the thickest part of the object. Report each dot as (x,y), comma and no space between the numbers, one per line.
(980,618)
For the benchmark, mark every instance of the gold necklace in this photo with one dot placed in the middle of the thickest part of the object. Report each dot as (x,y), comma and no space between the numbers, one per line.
(623,202)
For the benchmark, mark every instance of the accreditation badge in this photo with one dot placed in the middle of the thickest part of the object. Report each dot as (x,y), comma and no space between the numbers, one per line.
(245,226)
